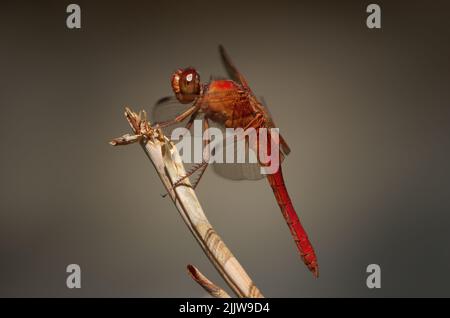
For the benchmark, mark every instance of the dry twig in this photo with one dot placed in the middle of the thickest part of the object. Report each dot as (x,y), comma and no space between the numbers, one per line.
(167,162)
(209,286)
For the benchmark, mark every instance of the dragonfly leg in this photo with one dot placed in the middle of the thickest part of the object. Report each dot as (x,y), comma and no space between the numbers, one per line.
(256,122)
(201,167)
(206,141)
(206,151)
(190,122)
(191,110)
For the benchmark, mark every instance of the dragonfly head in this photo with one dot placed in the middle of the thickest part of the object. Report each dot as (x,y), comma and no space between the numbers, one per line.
(186,84)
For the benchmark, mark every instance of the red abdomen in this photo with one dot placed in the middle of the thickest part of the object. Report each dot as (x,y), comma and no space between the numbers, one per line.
(298,233)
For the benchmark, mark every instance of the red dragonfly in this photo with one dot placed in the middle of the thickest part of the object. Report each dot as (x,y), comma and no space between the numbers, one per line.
(232,104)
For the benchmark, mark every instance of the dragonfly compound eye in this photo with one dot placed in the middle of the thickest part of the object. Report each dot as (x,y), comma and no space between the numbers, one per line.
(186,84)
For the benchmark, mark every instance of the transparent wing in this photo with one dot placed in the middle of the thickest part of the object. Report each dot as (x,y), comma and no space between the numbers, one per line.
(245,154)
(166,109)
(247,168)
(284,147)
(232,70)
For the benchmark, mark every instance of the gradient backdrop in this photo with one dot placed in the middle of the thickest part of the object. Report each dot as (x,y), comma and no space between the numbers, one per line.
(366,113)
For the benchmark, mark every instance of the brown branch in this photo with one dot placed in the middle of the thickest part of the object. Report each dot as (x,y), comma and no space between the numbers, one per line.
(207,285)
(167,162)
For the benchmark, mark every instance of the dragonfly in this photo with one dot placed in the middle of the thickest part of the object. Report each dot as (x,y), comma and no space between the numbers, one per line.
(229,102)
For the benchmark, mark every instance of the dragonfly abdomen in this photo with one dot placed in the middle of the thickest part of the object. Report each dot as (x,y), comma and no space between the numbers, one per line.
(298,232)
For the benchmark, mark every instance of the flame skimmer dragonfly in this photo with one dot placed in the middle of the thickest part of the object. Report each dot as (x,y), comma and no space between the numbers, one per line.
(231,103)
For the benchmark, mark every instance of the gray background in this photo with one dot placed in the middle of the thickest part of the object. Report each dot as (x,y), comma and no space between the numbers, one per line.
(365,112)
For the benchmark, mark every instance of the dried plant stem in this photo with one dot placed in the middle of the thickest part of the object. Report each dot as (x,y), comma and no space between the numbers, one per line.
(167,162)
(209,286)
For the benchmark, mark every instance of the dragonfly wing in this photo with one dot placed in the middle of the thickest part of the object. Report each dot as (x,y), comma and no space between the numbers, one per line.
(249,169)
(284,147)
(232,70)
(166,109)
(238,171)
